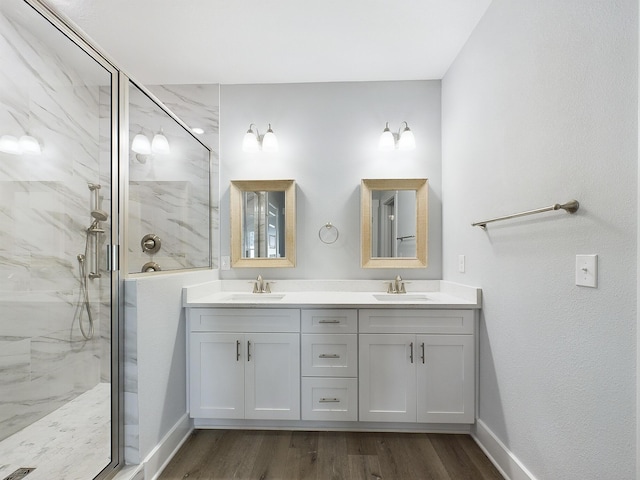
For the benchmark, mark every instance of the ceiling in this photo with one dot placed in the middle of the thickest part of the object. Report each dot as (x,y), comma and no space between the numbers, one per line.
(277,41)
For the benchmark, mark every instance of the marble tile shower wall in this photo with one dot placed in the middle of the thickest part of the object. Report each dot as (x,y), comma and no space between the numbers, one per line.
(199,106)
(44,213)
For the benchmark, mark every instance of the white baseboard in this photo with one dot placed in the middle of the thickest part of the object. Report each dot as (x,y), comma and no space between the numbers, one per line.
(164,451)
(506,462)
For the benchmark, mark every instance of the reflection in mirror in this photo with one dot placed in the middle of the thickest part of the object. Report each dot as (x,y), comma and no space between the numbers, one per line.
(263,226)
(262,223)
(169,193)
(394,223)
(393,217)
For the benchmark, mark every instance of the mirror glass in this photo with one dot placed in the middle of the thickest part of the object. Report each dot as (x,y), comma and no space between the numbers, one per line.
(263,226)
(262,223)
(393,217)
(394,223)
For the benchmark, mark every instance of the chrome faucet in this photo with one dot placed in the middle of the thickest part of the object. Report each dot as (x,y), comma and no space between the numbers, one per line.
(260,286)
(396,286)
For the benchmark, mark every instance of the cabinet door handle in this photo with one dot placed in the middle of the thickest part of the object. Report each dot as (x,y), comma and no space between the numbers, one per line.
(248,350)
(328,355)
(237,350)
(411,351)
(329,400)
(422,356)
(329,321)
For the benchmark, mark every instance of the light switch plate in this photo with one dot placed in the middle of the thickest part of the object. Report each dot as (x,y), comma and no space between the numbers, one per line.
(587,270)
(461,263)
(224,262)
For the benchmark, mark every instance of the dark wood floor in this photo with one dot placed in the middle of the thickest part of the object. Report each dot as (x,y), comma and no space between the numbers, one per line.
(259,455)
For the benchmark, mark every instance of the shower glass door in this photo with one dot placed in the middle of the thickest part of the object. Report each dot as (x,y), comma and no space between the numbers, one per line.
(58,298)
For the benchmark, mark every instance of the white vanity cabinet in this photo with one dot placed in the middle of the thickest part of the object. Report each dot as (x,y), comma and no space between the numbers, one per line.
(417,366)
(329,364)
(304,365)
(244,363)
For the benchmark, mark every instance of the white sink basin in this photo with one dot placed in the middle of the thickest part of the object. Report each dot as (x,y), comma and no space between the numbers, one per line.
(401,297)
(255,297)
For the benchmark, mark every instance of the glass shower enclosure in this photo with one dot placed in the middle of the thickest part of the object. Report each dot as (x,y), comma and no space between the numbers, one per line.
(97,180)
(58,295)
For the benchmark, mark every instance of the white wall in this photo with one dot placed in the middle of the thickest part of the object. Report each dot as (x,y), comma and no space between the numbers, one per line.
(541,107)
(328,135)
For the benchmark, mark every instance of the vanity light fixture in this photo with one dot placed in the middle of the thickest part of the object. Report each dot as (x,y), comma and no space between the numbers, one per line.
(405,139)
(270,141)
(252,141)
(387,142)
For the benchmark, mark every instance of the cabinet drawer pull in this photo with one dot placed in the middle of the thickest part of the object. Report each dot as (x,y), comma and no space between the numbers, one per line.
(248,351)
(329,321)
(329,355)
(422,356)
(237,350)
(329,400)
(411,351)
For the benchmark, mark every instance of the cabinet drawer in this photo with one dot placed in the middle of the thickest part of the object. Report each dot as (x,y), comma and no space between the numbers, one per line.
(333,399)
(330,355)
(416,321)
(257,320)
(329,321)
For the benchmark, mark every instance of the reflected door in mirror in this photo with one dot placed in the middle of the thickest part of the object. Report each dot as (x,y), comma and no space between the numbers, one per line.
(393,214)
(264,225)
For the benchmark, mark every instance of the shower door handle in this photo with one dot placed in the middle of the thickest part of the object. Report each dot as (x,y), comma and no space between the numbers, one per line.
(113,258)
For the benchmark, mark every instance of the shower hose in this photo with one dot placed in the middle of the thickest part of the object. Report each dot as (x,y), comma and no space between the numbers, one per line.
(83,295)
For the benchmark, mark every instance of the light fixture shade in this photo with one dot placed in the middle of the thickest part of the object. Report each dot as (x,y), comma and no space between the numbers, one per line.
(250,142)
(407,141)
(9,144)
(141,144)
(160,144)
(270,141)
(29,145)
(387,142)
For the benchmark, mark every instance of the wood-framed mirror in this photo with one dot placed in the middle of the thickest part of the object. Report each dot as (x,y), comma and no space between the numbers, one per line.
(393,223)
(263,223)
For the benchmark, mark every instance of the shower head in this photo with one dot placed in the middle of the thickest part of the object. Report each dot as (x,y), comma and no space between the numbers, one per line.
(99,215)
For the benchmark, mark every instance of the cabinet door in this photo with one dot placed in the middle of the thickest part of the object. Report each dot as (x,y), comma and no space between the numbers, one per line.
(387,378)
(446,380)
(272,376)
(216,381)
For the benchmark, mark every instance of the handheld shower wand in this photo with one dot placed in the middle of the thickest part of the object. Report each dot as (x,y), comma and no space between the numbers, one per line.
(93,230)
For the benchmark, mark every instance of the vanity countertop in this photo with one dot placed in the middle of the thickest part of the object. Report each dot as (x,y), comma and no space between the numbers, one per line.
(427,294)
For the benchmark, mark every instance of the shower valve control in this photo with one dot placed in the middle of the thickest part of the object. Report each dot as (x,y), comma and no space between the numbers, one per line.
(150,243)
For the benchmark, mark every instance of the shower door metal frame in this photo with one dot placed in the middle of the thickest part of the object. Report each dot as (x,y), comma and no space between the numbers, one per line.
(63,25)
